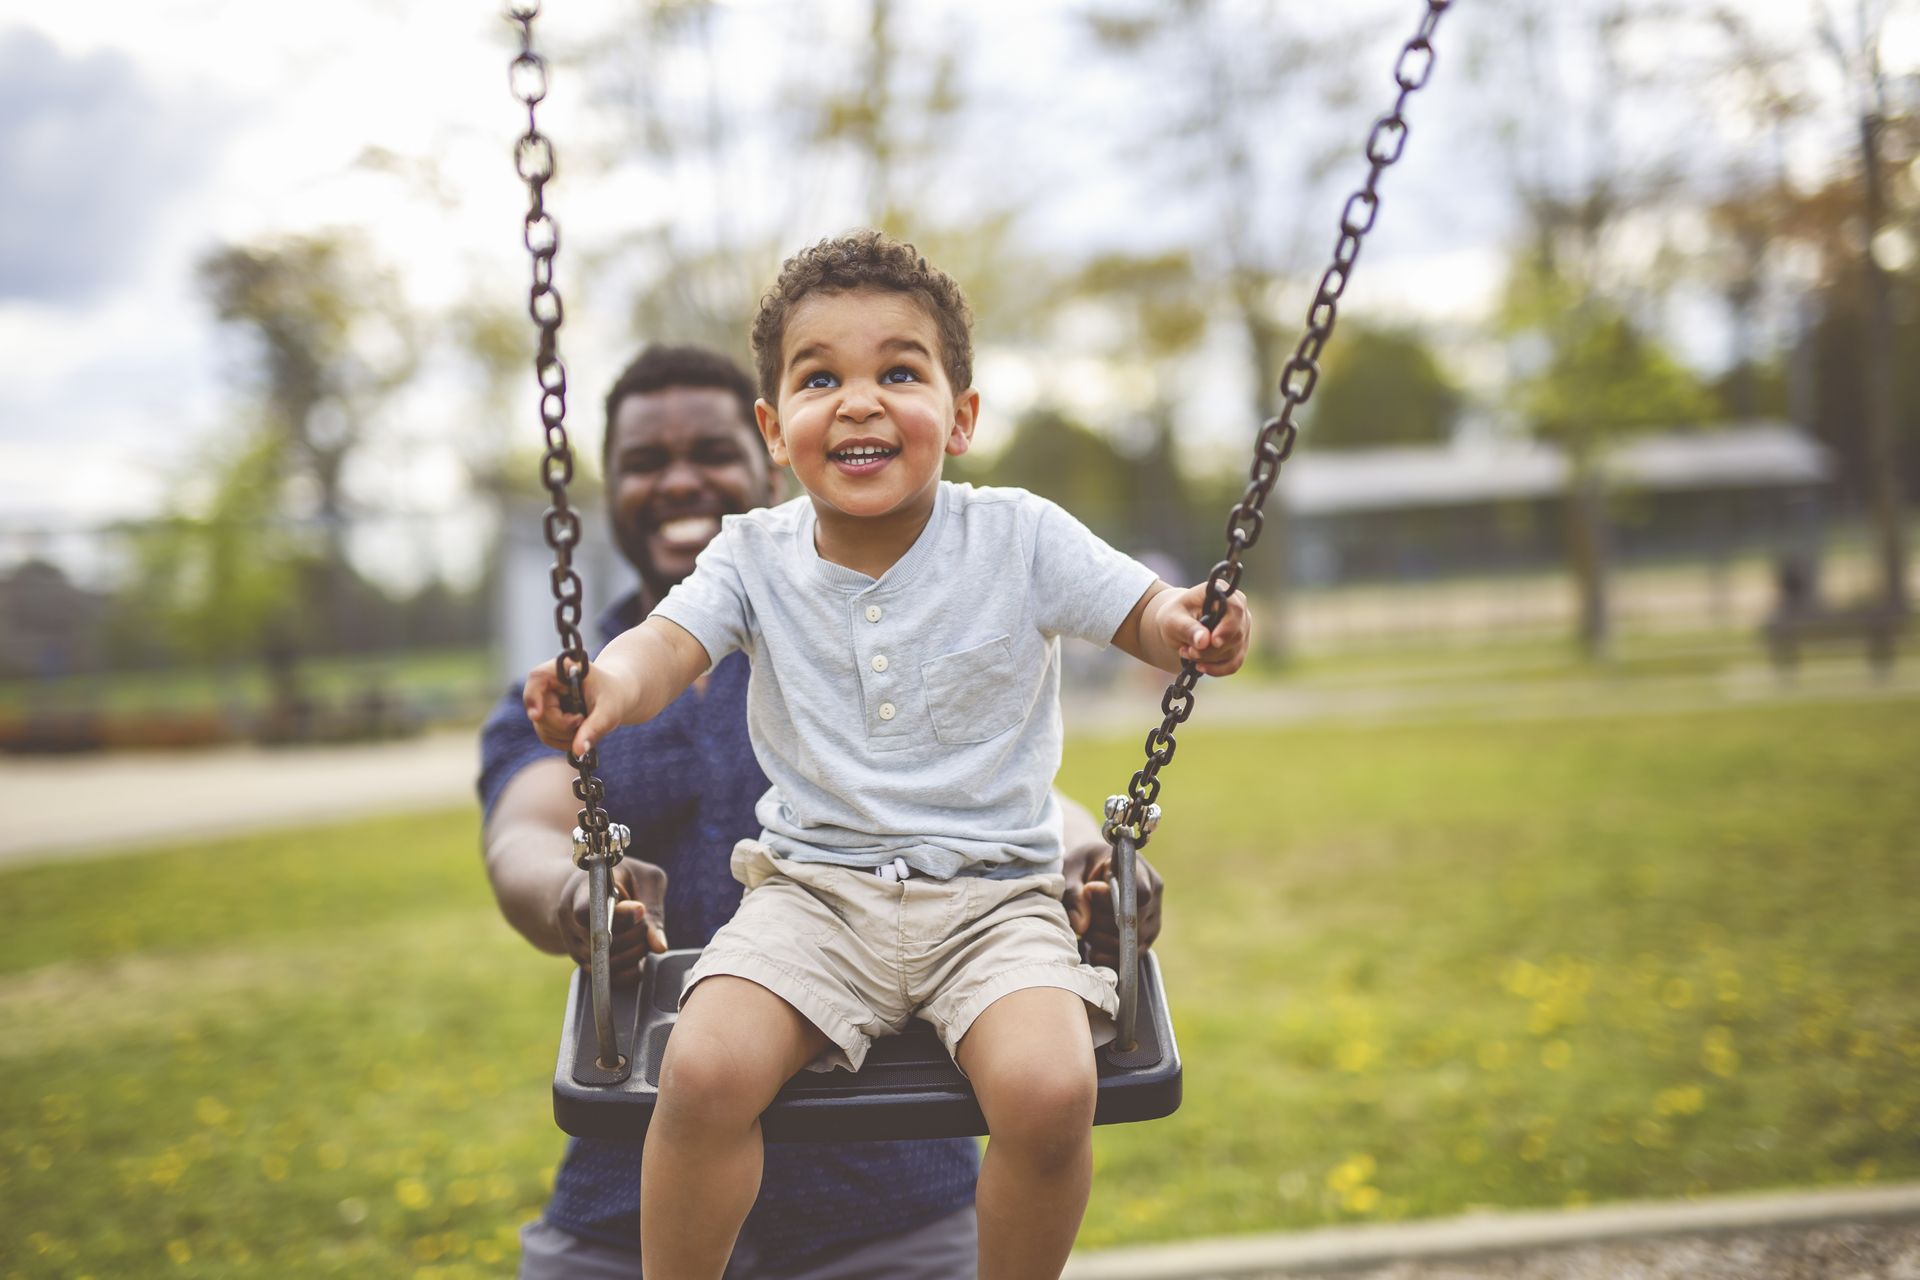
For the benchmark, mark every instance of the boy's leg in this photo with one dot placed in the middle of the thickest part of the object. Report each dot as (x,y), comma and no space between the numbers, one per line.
(1030,1059)
(733,1047)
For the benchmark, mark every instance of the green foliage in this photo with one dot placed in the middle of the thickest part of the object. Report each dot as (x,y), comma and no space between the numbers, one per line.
(1601,374)
(1058,458)
(1413,972)
(1380,387)
(217,582)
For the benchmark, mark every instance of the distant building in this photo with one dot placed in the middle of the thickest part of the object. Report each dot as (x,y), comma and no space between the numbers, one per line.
(1492,505)
(48,626)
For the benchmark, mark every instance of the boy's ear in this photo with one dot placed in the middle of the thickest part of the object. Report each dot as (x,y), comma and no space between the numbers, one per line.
(767,418)
(966,413)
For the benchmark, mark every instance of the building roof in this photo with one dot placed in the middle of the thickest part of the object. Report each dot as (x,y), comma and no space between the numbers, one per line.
(1757,455)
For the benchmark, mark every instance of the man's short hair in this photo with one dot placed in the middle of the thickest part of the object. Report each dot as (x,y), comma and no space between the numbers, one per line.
(661,367)
(864,260)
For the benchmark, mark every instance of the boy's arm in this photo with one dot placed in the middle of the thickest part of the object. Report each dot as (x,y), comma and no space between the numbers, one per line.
(1163,627)
(633,680)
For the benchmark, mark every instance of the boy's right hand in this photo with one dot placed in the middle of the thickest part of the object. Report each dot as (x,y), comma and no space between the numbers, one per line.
(609,694)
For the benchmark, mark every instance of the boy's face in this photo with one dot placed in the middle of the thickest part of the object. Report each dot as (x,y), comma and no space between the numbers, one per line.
(865,413)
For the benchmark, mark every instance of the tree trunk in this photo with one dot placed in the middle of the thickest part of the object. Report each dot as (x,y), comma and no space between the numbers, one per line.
(1587,550)
(1889,502)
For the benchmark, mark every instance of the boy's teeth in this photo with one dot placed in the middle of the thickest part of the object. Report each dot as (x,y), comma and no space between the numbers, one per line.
(690,529)
(864,451)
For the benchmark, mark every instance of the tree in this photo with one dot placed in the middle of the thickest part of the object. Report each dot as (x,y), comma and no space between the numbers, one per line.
(330,343)
(1380,386)
(1600,376)
(1855,47)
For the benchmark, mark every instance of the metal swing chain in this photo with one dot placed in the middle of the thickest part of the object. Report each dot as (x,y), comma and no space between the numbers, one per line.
(597,843)
(1135,814)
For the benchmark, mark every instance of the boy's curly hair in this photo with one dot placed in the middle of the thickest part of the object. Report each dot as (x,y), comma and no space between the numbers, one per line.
(863,260)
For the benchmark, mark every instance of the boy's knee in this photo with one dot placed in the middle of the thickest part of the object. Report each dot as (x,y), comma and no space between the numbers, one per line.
(701,1082)
(1047,1110)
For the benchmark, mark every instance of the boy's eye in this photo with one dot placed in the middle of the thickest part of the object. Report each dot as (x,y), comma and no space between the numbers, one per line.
(819,381)
(899,373)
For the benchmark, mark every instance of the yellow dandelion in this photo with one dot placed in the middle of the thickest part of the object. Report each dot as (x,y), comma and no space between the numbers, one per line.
(1717,1053)
(1556,1055)
(1360,1199)
(1677,993)
(1352,1172)
(180,1251)
(1355,1056)
(211,1112)
(1682,1100)
(412,1193)
(487,1252)
(1865,1045)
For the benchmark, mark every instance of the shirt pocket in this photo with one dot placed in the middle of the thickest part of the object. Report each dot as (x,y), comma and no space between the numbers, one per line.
(975,694)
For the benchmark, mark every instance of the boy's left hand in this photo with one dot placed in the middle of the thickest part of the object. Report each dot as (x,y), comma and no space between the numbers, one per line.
(1218,652)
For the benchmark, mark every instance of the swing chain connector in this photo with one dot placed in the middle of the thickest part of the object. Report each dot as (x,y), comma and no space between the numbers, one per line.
(607,846)
(1123,816)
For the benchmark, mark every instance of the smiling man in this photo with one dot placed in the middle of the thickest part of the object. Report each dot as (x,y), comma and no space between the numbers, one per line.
(682,451)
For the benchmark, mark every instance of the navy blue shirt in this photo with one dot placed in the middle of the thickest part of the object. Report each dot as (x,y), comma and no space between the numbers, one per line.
(686,783)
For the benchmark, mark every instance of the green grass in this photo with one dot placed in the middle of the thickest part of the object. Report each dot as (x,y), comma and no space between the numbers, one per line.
(1414,970)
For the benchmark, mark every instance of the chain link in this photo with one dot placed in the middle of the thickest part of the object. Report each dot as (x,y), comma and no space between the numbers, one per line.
(533,160)
(1385,142)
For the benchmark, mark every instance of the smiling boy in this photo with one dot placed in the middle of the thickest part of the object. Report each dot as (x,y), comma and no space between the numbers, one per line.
(904,635)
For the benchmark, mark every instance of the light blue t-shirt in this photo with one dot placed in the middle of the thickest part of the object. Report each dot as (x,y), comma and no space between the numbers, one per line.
(916,715)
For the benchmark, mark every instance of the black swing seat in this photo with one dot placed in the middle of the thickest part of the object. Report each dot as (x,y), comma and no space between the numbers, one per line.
(908,1087)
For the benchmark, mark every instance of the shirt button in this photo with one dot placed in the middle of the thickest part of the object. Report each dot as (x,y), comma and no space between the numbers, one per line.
(886,711)
(879,662)
(873,613)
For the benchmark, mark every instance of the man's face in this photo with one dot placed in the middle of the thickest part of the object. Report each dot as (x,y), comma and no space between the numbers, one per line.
(679,459)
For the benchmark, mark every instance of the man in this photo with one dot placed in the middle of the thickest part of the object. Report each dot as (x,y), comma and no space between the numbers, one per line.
(681,451)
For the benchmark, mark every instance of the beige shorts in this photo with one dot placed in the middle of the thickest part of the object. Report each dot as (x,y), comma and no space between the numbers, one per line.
(860,956)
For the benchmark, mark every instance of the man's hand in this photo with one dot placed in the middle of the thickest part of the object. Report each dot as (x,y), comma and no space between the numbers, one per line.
(1089,901)
(639,915)
(1218,652)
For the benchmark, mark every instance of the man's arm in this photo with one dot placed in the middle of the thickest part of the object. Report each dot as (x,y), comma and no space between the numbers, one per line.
(528,842)
(1089,899)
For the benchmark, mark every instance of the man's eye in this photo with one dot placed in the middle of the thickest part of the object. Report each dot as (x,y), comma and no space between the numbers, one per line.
(819,381)
(651,460)
(899,373)
(716,455)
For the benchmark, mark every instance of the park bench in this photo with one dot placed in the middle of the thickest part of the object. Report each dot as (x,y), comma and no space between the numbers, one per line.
(1788,629)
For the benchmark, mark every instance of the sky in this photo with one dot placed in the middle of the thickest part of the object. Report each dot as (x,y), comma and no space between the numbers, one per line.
(137,134)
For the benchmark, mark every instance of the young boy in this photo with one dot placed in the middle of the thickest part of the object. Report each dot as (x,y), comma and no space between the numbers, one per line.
(904,703)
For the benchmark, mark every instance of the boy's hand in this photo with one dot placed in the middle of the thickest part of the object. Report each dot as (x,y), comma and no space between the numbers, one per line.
(609,695)
(1218,652)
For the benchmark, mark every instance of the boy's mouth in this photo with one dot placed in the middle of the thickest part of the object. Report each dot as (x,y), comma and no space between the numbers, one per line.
(858,459)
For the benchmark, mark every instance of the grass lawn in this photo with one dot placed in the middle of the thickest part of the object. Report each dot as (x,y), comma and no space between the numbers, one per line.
(1413,971)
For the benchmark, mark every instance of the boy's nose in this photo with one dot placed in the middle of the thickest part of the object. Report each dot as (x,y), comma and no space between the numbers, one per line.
(857,404)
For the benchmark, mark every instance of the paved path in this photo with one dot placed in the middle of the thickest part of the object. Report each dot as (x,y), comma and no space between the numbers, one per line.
(113,801)
(1855,1233)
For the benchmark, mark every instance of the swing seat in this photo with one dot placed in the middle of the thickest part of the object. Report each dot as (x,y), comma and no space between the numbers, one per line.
(909,1086)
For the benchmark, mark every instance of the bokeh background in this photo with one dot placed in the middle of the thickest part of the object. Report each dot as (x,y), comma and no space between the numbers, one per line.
(1557,846)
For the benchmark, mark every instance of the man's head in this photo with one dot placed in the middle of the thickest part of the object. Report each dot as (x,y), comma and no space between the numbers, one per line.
(681,450)
(865,359)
